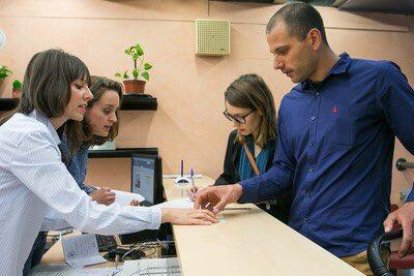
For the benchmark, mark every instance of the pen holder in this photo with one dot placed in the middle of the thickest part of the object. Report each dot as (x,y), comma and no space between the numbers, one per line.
(181,182)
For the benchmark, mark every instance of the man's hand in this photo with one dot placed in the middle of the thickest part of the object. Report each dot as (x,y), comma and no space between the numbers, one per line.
(217,197)
(103,195)
(404,216)
(192,193)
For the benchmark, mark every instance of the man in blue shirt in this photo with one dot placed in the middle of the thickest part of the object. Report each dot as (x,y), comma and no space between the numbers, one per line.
(337,128)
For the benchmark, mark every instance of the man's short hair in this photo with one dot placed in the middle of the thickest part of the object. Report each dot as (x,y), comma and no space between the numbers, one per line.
(299,18)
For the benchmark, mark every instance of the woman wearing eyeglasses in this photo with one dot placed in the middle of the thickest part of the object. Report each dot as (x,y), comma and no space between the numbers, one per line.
(249,105)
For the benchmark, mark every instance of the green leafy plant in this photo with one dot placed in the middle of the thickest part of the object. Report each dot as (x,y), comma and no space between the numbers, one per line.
(17,85)
(141,67)
(4,72)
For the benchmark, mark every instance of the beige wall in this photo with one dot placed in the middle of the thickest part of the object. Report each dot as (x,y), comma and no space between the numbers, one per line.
(188,123)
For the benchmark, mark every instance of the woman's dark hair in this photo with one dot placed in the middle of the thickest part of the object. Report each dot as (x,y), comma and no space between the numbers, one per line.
(250,91)
(46,86)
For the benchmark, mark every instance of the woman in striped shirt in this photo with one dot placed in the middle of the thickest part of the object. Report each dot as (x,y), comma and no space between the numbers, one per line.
(33,177)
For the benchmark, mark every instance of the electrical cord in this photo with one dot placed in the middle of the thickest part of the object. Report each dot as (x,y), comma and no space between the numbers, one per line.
(378,267)
(137,250)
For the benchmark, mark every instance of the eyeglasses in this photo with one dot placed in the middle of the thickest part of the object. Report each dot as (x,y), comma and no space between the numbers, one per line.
(238,118)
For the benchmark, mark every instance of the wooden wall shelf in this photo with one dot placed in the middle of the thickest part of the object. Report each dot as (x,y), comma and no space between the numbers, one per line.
(122,152)
(138,102)
(7,104)
(128,102)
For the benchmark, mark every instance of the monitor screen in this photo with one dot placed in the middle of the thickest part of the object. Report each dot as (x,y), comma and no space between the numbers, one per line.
(146,177)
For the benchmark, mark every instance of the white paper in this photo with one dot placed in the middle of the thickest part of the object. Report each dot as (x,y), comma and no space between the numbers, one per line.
(64,270)
(152,266)
(80,251)
(183,203)
(174,176)
(124,198)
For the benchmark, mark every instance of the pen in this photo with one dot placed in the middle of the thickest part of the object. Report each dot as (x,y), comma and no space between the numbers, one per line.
(182,168)
(192,177)
(236,208)
(208,207)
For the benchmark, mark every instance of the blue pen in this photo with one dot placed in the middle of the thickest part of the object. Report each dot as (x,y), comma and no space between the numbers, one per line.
(192,177)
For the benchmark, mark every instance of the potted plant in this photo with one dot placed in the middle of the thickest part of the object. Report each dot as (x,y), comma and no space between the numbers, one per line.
(4,73)
(140,72)
(17,89)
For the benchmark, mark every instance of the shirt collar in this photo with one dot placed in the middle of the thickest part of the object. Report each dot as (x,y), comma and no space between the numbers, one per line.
(39,116)
(340,67)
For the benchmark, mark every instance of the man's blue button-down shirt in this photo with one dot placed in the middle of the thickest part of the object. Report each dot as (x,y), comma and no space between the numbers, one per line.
(336,143)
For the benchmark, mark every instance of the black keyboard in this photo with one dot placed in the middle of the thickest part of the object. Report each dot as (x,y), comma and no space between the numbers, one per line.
(106,243)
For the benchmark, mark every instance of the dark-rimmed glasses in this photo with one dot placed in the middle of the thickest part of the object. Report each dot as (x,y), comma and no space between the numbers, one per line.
(238,118)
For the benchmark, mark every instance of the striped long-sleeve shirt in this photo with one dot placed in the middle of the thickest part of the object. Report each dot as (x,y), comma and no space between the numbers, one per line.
(32,177)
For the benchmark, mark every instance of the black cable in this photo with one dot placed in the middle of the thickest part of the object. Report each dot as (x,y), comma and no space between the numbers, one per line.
(378,267)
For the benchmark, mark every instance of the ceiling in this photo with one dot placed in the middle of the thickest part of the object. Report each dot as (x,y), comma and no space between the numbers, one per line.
(388,6)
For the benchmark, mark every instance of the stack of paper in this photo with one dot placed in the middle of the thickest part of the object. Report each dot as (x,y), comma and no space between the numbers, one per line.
(64,270)
(80,251)
(124,198)
(154,266)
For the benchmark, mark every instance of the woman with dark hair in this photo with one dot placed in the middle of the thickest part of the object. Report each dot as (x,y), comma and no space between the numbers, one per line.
(249,105)
(100,124)
(33,177)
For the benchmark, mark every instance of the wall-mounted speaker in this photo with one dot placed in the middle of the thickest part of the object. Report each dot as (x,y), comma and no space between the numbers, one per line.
(212,37)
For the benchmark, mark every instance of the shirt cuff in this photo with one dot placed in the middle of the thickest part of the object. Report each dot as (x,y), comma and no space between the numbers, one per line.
(410,196)
(90,189)
(155,217)
(250,191)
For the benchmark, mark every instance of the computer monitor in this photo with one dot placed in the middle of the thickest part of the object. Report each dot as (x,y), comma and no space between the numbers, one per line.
(146,177)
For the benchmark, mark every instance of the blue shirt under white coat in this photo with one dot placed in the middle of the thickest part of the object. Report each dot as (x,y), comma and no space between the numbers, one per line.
(77,164)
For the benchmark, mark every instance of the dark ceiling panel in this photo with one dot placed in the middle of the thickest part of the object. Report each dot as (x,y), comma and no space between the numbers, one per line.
(249,1)
(313,2)
(391,6)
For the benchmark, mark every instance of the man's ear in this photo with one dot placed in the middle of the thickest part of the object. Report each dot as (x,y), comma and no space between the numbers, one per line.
(314,37)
